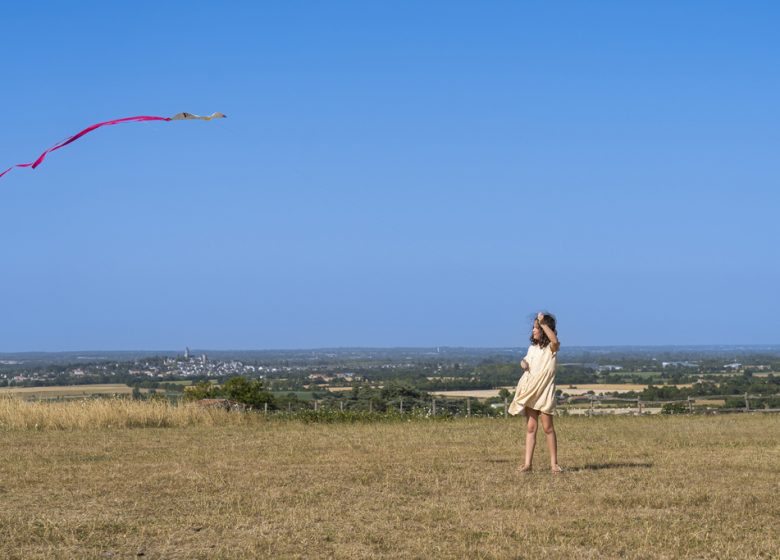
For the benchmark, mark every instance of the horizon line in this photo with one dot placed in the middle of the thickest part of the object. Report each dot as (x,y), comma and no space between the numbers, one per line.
(343,348)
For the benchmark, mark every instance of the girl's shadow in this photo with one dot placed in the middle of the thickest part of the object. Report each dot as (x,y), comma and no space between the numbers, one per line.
(602,466)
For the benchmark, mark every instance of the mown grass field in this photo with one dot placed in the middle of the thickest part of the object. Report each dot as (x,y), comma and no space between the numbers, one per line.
(219,485)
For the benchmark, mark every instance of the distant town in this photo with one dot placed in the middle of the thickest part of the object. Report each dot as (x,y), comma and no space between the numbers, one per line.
(440,366)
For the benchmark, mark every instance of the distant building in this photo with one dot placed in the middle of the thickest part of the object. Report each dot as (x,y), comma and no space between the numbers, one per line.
(186,353)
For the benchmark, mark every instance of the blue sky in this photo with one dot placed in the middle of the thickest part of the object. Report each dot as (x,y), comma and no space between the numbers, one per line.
(390,174)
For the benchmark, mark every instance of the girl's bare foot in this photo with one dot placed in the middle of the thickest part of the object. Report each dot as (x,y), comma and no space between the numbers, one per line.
(524,469)
(556,469)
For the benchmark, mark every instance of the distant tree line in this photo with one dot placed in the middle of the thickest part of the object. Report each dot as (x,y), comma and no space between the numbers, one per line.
(736,385)
(392,397)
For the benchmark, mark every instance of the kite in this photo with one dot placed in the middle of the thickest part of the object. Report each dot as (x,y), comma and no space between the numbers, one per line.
(176,117)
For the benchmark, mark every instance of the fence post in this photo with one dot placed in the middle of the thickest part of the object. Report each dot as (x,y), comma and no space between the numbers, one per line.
(401,408)
(591,407)
(434,407)
(690,405)
(341,406)
(506,408)
(370,406)
(315,406)
(747,403)
(289,407)
(468,407)
(639,405)
(265,408)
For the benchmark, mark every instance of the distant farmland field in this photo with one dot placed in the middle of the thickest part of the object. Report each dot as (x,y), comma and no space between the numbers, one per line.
(599,388)
(578,389)
(222,485)
(473,393)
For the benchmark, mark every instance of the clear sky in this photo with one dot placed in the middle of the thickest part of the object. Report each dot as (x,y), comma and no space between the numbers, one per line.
(390,174)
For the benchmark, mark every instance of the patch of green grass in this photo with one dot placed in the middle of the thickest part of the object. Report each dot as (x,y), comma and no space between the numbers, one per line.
(640,376)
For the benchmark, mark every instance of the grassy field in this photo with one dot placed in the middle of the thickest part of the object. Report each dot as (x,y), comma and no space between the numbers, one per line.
(219,485)
(67,391)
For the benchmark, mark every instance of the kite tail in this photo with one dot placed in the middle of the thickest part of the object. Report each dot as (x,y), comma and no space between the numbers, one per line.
(17,165)
(178,116)
(87,130)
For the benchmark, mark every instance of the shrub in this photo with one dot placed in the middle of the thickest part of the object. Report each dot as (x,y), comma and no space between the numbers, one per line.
(675,408)
(202,390)
(250,393)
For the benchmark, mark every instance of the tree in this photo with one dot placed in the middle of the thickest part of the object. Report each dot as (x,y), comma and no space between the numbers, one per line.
(251,393)
(202,390)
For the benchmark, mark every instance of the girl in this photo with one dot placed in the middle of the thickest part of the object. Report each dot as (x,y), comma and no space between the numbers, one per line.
(535,394)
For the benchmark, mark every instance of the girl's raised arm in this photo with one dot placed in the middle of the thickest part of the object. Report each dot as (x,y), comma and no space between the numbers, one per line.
(555,344)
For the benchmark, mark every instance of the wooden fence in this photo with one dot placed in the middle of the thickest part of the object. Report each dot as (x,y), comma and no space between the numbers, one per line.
(598,405)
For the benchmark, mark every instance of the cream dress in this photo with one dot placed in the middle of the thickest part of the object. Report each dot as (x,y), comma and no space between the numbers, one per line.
(536,388)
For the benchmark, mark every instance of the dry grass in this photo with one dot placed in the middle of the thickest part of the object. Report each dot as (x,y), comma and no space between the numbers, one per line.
(639,487)
(710,402)
(67,391)
(18,414)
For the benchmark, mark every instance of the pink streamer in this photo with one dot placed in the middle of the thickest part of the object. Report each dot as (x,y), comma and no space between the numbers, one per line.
(64,143)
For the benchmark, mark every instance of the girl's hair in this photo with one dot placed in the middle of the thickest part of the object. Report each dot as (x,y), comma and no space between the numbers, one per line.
(544,340)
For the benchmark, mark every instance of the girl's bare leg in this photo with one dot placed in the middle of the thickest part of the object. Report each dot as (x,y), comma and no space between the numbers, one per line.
(552,441)
(530,435)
